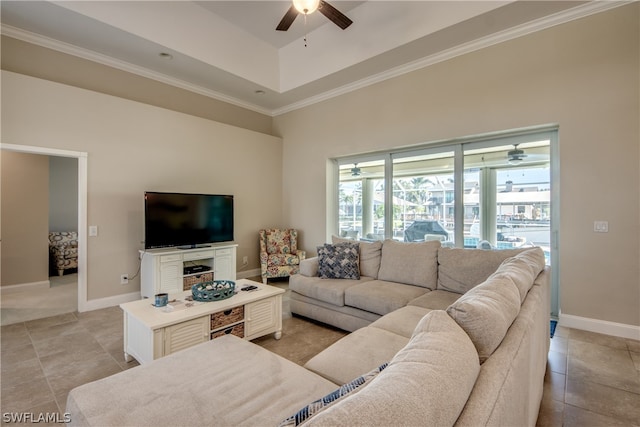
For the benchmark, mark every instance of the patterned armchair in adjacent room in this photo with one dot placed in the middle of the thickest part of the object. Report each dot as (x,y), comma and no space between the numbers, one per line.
(279,254)
(63,250)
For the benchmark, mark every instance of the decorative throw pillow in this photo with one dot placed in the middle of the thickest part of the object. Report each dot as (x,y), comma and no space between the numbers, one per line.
(319,405)
(339,261)
(370,255)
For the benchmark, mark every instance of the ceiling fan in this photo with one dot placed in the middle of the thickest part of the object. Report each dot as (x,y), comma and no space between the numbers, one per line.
(355,170)
(309,6)
(516,155)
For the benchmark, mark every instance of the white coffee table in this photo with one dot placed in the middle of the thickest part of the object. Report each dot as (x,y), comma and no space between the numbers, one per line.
(151,332)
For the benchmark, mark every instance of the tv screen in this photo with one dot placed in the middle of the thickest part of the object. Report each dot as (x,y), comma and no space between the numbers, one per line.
(189,220)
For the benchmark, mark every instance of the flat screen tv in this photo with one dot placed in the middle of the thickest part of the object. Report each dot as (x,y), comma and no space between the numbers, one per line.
(186,220)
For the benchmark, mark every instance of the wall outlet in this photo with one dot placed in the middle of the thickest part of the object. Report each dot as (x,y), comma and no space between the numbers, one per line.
(124,279)
(245,260)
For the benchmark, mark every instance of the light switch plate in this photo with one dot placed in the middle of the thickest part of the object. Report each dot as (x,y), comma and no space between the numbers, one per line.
(601,226)
(93,230)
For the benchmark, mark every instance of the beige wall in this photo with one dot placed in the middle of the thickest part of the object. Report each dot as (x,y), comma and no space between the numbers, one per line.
(63,194)
(24,218)
(133,147)
(37,61)
(583,76)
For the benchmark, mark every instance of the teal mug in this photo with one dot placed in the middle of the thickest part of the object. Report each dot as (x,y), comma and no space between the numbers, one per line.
(161,300)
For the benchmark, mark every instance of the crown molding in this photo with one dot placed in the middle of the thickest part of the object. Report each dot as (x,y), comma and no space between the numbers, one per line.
(79,52)
(572,14)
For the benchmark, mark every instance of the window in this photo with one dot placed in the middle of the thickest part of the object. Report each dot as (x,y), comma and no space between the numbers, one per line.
(423,196)
(361,200)
(489,192)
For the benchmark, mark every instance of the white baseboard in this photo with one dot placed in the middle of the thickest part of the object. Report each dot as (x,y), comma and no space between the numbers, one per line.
(600,326)
(248,273)
(24,287)
(97,304)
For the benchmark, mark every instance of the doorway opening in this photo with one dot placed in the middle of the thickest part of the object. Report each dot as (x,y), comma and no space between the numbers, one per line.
(81,209)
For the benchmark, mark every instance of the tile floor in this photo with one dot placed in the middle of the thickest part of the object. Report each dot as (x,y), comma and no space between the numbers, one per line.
(61,297)
(592,379)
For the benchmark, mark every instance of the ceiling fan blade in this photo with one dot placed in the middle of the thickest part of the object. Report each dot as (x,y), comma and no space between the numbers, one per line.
(287,19)
(334,15)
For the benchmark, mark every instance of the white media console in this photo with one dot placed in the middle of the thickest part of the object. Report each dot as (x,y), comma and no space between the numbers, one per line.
(175,270)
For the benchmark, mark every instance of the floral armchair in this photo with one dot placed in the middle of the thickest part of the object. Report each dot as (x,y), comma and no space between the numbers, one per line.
(279,254)
(63,250)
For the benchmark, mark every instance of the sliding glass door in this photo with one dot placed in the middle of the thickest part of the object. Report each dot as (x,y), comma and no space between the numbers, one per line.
(507,201)
(491,192)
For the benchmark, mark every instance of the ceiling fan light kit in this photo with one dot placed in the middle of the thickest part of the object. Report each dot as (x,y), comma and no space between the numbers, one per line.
(309,6)
(306,6)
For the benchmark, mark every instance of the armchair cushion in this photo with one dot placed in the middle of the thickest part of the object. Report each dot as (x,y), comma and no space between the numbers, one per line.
(282,259)
(282,241)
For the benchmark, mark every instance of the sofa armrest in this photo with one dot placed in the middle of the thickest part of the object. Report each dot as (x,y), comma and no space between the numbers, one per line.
(309,267)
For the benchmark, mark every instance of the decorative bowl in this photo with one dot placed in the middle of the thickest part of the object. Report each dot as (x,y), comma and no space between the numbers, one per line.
(215,290)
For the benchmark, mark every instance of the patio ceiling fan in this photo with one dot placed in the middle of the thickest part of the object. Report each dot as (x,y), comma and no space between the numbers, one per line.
(516,155)
(306,7)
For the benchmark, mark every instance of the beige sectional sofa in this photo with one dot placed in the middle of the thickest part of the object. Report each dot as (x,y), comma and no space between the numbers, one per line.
(500,299)
(393,275)
(462,341)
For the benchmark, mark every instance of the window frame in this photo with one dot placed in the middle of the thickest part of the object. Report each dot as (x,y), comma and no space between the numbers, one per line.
(458,146)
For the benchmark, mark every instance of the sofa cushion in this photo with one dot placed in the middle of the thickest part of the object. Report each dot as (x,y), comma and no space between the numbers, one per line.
(381,297)
(357,353)
(461,269)
(435,300)
(486,312)
(370,255)
(339,261)
(327,290)
(335,396)
(522,269)
(428,382)
(309,267)
(410,263)
(402,321)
